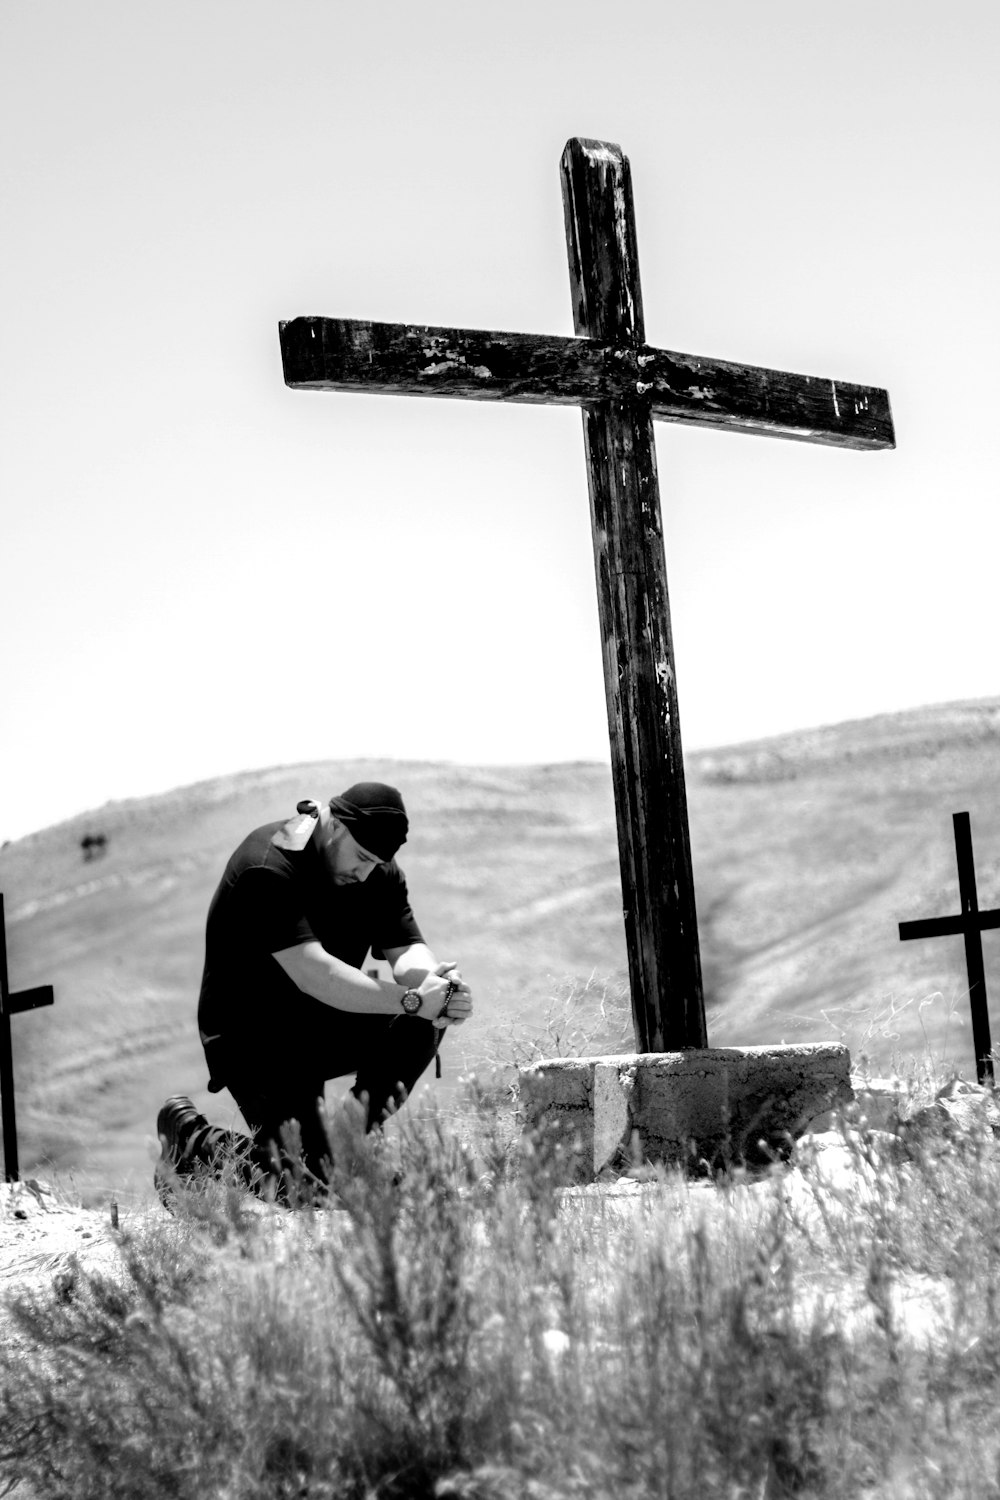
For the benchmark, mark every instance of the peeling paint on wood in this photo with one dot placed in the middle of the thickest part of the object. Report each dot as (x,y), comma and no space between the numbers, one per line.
(338,354)
(646,756)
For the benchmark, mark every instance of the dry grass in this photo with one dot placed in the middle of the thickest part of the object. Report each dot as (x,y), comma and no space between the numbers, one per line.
(462,1329)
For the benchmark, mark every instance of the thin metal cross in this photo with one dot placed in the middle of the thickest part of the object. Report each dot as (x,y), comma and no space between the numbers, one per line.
(971,923)
(622,384)
(11,1005)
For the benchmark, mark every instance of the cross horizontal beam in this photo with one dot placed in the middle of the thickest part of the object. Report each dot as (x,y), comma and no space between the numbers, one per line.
(341,354)
(30,999)
(949,926)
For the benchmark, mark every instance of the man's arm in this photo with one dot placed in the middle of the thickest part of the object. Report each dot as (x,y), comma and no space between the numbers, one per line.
(415,964)
(411,965)
(330,980)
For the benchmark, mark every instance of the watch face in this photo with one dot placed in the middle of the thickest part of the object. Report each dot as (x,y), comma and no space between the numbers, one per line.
(411,1002)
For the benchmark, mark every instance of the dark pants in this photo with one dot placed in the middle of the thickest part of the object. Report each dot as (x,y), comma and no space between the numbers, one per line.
(387,1053)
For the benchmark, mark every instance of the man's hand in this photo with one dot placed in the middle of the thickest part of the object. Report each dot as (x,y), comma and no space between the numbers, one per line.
(447,998)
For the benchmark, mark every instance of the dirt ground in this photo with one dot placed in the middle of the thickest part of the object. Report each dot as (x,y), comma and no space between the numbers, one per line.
(42,1238)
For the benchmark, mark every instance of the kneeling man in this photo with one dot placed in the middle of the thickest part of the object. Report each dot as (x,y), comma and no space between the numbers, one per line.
(284,1003)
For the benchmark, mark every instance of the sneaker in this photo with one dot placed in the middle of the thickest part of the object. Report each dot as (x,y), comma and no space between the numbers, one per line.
(177,1126)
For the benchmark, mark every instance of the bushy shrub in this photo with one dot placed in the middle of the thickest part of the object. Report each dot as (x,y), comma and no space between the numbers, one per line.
(459,1327)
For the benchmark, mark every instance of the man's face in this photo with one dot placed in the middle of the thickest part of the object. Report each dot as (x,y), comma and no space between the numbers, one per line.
(346,861)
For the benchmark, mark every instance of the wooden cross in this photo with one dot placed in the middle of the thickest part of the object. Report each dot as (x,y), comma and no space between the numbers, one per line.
(11,1005)
(971,923)
(622,384)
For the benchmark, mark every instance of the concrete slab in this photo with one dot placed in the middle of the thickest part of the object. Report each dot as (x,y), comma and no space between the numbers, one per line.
(612,1117)
(710,1106)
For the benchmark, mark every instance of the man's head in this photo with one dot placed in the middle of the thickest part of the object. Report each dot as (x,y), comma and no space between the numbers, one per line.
(360,829)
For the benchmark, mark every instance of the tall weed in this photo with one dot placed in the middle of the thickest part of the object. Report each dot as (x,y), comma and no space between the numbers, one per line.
(460,1327)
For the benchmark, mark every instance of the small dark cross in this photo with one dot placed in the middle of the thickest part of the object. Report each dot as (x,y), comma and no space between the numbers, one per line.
(972,923)
(622,384)
(11,1005)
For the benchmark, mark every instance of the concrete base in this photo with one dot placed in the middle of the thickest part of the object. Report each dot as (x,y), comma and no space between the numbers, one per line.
(713,1106)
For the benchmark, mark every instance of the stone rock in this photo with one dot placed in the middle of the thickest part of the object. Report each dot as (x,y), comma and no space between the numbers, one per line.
(705,1108)
(959,1110)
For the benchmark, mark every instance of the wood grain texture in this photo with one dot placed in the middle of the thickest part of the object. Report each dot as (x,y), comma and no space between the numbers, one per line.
(336,354)
(601,242)
(647,764)
(768,403)
(341,354)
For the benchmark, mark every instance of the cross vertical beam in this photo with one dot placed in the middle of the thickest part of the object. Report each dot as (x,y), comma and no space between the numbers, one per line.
(661,929)
(6,1063)
(10,1005)
(973,935)
(972,923)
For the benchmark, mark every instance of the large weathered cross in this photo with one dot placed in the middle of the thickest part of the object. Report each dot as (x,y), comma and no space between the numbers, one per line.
(10,1005)
(621,384)
(971,923)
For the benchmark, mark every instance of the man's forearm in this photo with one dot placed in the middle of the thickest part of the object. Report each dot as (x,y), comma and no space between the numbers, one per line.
(413,967)
(334,983)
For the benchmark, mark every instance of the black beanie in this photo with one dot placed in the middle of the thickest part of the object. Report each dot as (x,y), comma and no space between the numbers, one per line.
(375,815)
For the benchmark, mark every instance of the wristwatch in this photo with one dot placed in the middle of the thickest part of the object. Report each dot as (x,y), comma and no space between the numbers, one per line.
(412,1001)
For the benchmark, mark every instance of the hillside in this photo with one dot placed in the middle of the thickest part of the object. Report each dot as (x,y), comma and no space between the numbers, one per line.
(808,849)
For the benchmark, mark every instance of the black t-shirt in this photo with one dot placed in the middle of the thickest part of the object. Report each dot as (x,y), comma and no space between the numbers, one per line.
(269,899)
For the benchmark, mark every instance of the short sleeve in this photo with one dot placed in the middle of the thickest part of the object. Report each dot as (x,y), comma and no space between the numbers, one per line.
(269,911)
(396,925)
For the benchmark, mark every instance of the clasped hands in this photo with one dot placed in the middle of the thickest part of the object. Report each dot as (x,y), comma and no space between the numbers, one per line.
(447,998)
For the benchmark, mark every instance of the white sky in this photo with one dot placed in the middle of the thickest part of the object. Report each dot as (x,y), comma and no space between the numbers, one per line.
(203,571)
